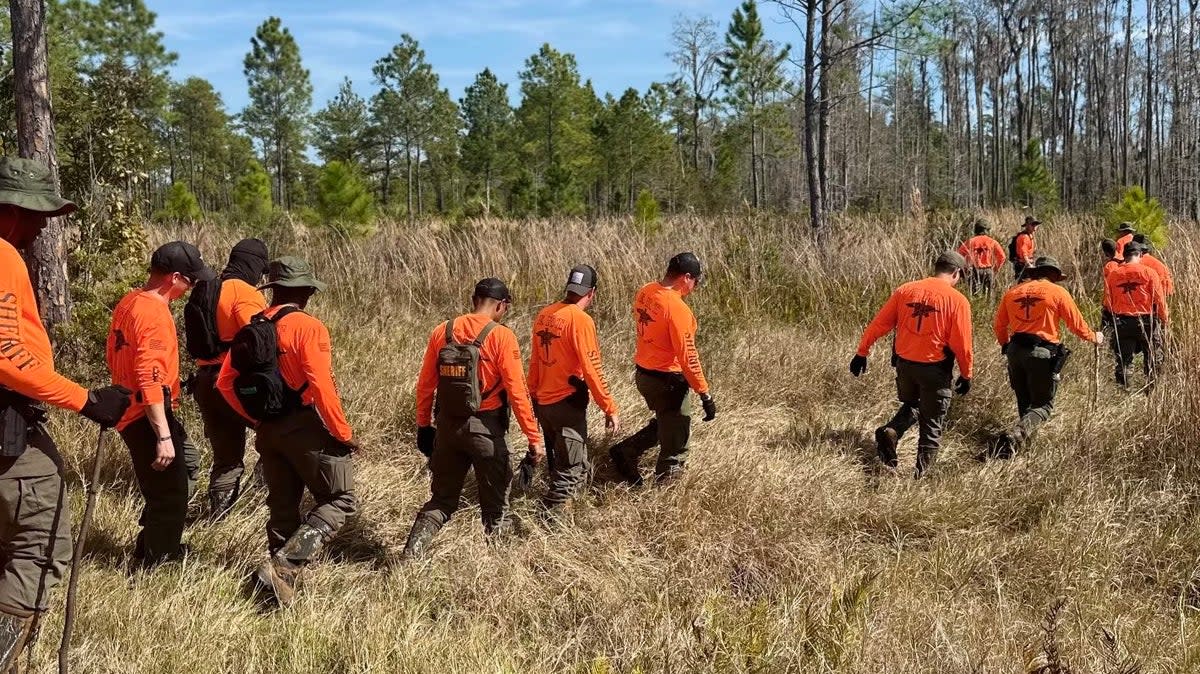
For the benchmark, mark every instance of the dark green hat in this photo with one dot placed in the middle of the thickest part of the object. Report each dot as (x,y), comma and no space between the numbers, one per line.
(291,272)
(982,226)
(1048,267)
(1126,227)
(27,183)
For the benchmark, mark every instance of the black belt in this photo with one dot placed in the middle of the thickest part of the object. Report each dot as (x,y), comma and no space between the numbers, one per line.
(1032,341)
(658,374)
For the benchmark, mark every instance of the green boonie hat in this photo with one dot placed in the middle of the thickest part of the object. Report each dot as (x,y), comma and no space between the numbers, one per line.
(27,183)
(982,226)
(1126,227)
(291,272)
(1048,264)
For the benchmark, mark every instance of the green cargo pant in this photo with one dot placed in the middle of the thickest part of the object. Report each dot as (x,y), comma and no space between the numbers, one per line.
(35,525)
(297,452)
(224,428)
(564,427)
(1134,335)
(476,442)
(166,492)
(924,392)
(981,280)
(666,394)
(1031,375)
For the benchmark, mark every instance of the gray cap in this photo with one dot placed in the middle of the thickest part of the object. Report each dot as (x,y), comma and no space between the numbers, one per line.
(951,259)
(581,280)
(1135,248)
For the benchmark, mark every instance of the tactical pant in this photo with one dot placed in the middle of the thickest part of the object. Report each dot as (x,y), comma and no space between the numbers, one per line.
(1134,335)
(981,279)
(666,394)
(165,491)
(564,427)
(297,452)
(475,442)
(224,428)
(35,525)
(1031,375)
(924,392)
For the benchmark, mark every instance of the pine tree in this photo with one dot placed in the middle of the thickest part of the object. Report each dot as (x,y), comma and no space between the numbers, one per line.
(280,98)
(751,71)
(340,129)
(489,122)
(252,196)
(1035,186)
(555,118)
(180,206)
(1146,214)
(404,112)
(198,135)
(343,199)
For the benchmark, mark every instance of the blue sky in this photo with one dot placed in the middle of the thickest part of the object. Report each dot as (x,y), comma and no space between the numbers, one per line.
(618,43)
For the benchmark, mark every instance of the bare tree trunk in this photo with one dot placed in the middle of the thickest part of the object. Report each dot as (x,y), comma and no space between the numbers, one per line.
(1149,102)
(47,257)
(815,204)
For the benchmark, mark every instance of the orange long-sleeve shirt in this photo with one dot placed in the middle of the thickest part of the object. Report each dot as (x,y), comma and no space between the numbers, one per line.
(929,316)
(305,357)
(499,363)
(238,303)
(143,352)
(666,334)
(1164,273)
(26,361)
(1036,308)
(1136,290)
(1108,269)
(1026,248)
(1121,243)
(983,252)
(565,346)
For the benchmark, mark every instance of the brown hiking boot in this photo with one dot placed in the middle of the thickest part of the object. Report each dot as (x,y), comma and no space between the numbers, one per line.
(14,634)
(885,446)
(281,576)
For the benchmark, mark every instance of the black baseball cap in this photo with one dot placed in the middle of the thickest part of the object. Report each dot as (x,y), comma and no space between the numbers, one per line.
(684,263)
(581,280)
(181,257)
(492,288)
(1135,248)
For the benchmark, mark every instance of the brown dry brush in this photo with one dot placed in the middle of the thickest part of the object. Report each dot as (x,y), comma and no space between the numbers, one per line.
(782,548)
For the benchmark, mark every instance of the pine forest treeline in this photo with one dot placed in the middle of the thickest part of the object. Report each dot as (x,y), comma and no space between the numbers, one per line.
(870,106)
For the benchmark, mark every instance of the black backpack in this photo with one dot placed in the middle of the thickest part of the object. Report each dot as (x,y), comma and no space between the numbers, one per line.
(458,389)
(259,386)
(1012,248)
(200,322)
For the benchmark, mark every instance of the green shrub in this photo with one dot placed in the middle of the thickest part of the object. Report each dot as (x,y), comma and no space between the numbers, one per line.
(252,197)
(180,207)
(1146,214)
(343,200)
(646,208)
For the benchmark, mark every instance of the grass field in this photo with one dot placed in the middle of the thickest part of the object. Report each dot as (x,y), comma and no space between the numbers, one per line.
(782,549)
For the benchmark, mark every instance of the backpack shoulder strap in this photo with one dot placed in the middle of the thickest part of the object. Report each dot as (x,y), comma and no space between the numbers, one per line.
(286,311)
(483,334)
(450,332)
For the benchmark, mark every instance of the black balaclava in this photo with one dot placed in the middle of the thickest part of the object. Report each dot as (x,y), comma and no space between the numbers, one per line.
(247,261)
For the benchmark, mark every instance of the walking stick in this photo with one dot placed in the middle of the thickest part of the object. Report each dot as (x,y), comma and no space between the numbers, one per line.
(92,494)
(1095,376)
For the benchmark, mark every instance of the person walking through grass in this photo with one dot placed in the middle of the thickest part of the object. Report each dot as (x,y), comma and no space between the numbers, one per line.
(279,376)
(1140,314)
(985,256)
(667,366)
(932,322)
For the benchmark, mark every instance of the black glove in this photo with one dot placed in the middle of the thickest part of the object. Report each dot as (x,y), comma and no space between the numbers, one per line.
(1106,319)
(1004,348)
(963,386)
(858,365)
(525,472)
(107,405)
(710,407)
(425,438)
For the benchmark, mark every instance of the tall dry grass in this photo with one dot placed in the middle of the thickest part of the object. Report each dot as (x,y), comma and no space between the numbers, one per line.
(782,549)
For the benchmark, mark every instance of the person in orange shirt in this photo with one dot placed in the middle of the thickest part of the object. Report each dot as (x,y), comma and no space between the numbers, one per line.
(563,369)
(932,322)
(471,414)
(1027,330)
(1163,271)
(1024,248)
(214,314)
(668,366)
(302,437)
(1126,230)
(1140,313)
(143,355)
(985,256)
(35,518)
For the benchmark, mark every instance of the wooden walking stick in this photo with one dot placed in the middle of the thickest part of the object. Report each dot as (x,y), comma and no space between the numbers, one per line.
(93,489)
(1095,376)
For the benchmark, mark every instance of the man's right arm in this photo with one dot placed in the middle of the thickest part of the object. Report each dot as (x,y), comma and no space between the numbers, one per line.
(681,324)
(1001,256)
(20,370)
(587,347)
